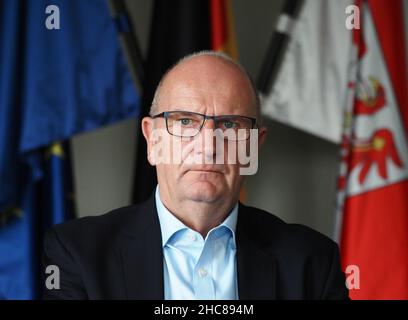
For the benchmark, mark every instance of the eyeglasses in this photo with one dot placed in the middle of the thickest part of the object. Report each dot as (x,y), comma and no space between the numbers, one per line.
(188,124)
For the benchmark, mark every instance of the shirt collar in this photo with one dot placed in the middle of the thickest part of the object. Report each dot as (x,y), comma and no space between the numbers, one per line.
(169,224)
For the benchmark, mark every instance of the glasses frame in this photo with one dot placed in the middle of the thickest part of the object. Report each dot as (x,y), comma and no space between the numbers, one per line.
(166,115)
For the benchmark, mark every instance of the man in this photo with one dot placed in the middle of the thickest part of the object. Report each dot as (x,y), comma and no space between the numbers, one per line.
(193,239)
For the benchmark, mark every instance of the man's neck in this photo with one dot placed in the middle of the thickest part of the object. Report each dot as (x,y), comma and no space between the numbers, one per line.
(197,215)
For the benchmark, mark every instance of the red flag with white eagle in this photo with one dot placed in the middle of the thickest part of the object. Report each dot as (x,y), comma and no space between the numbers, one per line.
(373,182)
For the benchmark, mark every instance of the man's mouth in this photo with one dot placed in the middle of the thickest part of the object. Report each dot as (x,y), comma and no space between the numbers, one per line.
(206,170)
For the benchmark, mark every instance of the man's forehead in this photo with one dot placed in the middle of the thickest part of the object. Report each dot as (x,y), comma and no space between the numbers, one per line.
(206,67)
(193,90)
(188,94)
(202,77)
(207,83)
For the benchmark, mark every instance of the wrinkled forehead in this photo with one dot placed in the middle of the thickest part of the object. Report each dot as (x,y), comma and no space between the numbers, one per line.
(208,82)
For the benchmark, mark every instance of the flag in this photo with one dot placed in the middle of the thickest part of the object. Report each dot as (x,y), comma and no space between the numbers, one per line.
(373,181)
(303,76)
(62,72)
(223,36)
(179,27)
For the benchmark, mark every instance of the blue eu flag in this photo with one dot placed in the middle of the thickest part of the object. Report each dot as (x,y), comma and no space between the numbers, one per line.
(62,72)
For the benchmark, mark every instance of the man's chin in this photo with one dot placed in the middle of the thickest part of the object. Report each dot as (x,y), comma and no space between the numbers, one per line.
(204,191)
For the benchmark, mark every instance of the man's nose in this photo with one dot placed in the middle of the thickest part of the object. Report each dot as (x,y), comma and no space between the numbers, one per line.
(207,139)
(209,123)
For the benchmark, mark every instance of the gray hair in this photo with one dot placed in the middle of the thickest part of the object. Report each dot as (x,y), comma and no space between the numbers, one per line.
(225,58)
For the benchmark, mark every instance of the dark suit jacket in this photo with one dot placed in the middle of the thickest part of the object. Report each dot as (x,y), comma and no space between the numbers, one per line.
(119,256)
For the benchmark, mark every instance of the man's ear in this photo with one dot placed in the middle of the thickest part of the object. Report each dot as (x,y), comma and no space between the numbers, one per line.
(262,132)
(147,129)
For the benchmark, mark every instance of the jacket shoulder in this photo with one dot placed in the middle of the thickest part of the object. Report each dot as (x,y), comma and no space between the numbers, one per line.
(308,262)
(96,229)
(275,233)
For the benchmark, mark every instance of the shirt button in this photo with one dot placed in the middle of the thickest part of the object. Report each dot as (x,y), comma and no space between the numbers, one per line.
(202,272)
(192,236)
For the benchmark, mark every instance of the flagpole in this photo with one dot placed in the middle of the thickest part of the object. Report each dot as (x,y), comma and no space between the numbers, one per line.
(129,42)
(278,44)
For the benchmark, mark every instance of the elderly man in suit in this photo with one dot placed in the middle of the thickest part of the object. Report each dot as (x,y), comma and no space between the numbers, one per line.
(193,239)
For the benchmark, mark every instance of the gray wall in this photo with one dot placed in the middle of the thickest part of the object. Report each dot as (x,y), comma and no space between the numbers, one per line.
(297,174)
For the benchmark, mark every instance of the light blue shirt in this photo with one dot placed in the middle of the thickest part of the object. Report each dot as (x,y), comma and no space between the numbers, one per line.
(197,268)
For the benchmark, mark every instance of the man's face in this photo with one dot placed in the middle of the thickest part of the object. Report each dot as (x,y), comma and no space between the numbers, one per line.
(208,86)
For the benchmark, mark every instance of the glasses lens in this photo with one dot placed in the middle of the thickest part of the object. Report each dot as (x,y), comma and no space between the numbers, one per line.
(239,126)
(188,124)
(184,124)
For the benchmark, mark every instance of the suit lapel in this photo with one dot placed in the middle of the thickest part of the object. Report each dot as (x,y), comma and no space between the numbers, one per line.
(256,268)
(141,255)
